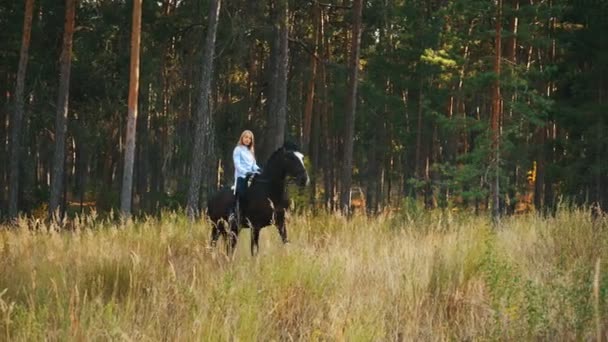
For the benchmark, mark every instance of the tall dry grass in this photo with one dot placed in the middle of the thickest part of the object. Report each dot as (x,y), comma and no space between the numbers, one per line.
(422,276)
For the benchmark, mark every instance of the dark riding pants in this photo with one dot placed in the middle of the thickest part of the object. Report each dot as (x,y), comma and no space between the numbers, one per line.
(241,187)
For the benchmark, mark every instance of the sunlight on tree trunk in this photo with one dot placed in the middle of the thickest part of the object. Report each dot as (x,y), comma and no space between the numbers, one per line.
(127,176)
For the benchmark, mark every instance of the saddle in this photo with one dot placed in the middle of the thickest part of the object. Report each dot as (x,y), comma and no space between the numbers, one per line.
(248,180)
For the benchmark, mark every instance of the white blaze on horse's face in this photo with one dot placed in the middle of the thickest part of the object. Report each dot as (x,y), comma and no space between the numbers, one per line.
(301,158)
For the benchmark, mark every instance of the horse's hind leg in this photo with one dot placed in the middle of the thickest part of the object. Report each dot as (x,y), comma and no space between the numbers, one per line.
(215,233)
(232,237)
(280,223)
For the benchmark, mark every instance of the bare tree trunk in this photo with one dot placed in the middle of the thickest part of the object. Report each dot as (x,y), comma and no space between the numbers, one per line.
(267,140)
(460,103)
(351,108)
(62,111)
(277,115)
(511,49)
(310,95)
(17,119)
(203,112)
(4,146)
(141,149)
(496,109)
(552,130)
(211,167)
(312,112)
(127,175)
(314,152)
(82,161)
(418,162)
(281,116)
(600,187)
(325,130)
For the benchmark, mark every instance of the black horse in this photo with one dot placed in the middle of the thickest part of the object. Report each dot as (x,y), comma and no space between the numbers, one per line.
(263,204)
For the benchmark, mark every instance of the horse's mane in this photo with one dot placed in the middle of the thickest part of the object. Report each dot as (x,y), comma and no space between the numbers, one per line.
(287,146)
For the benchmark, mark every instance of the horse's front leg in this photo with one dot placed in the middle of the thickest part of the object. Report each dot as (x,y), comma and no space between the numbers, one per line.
(255,238)
(215,233)
(280,223)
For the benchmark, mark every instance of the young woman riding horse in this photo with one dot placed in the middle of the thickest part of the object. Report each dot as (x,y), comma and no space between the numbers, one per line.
(243,157)
(265,201)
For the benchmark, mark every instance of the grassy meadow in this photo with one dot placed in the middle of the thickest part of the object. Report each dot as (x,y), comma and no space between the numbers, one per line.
(420,276)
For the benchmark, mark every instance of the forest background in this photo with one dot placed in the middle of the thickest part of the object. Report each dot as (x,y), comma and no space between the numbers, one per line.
(470,104)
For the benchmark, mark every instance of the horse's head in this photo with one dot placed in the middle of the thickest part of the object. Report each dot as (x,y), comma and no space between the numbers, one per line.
(292,162)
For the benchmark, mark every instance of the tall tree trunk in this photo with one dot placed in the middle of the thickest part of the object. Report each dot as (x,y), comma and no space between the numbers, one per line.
(203,112)
(4,146)
(277,115)
(314,152)
(210,168)
(267,141)
(418,156)
(142,149)
(496,109)
(324,120)
(310,94)
(127,175)
(511,49)
(351,107)
(252,76)
(551,86)
(17,119)
(312,111)
(62,111)
(461,101)
(82,161)
(600,181)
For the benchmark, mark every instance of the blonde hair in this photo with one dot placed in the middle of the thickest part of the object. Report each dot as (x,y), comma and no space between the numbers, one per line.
(250,147)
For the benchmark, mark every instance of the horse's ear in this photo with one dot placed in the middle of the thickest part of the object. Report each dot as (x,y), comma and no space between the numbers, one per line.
(290,146)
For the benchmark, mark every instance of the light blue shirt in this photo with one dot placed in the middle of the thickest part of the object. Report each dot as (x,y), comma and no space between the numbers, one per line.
(244,162)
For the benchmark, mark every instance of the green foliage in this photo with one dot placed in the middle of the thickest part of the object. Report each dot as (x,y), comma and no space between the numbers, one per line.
(427,58)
